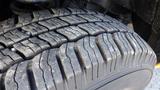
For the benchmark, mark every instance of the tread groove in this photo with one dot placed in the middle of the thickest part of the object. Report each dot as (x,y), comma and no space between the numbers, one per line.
(89,57)
(42,71)
(67,49)
(15,75)
(71,66)
(142,49)
(125,48)
(113,52)
(96,58)
(109,52)
(51,69)
(31,78)
(119,47)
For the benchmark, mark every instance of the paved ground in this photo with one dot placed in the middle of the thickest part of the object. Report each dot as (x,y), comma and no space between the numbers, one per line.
(155,82)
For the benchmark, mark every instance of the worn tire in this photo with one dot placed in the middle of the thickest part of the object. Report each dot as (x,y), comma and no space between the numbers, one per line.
(72,49)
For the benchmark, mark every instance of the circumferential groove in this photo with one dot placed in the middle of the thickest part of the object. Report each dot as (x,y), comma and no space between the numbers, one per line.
(31,79)
(15,76)
(2,85)
(88,56)
(95,56)
(109,52)
(82,47)
(61,67)
(42,72)
(51,69)
(119,47)
(79,59)
(71,66)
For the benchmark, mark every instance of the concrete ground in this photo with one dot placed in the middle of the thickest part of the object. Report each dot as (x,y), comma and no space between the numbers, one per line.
(155,82)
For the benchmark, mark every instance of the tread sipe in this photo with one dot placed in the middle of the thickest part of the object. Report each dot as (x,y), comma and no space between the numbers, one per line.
(67,49)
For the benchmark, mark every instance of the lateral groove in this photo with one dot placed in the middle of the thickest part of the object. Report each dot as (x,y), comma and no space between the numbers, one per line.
(67,49)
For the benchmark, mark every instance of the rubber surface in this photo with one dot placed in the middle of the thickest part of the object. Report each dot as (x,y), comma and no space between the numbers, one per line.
(67,49)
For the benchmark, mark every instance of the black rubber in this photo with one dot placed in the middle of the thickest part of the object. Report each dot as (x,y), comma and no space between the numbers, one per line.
(71,49)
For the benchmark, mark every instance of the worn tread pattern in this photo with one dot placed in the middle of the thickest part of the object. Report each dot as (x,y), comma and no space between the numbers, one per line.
(67,49)
(8,58)
(76,65)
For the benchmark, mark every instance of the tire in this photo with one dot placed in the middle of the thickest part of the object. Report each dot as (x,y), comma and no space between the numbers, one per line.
(72,49)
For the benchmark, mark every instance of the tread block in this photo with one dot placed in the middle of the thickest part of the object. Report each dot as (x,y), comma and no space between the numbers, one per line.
(21,76)
(116,50)
(53,38)
(6,25)
(12,55)
(38,73)
(55,69)
(72,32)
(90,18)
(72,19)
(42,44)
(24,19)
(34,29)
(97,55)
(120,27)
(31,47)
(67,67)
(95,58)
(136,47)
(60,12)
(3,65)
(54,23)
(17,35)
(34,47)
(91,28)
(76,11)
(25,50)
(5,61)
(46,71)
(129,50)
(143,49)
(107,26)
(92,58)
(75,65)
(104,17)
(12,37)
(123,26)
(5,41)
(10,83)
(150,51)
(122,47)
(107,51)
(86,62)
(125,51)
(147,52)
(41,14)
